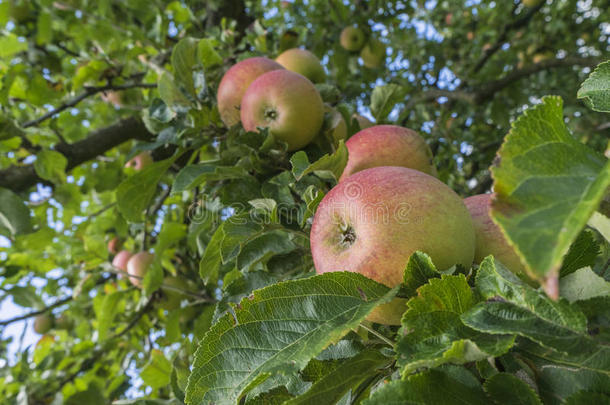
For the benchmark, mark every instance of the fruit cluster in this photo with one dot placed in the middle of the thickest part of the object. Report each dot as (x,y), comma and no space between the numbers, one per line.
(388,202)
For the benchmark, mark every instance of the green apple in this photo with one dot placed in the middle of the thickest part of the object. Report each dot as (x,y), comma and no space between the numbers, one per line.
(285,102)
(137,266)
(120,260)
(352,39)
(172,295)
(140,161)
(489,237)
(373,53)
(372,222)
(235,82)
(303,62)
(43,323)
(388,145)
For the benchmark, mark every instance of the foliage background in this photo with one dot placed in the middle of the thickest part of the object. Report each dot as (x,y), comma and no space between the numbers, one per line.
(463,72)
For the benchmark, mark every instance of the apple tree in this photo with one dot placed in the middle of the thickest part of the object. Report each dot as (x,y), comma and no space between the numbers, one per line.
(161,218)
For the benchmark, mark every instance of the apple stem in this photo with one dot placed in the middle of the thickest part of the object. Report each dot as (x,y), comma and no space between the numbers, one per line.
(379,335)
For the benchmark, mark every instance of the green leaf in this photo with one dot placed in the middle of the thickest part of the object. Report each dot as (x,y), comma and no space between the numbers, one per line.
(263,247)
(44,29)
(206,53)
(506,389)
(107,312)
(596,89)
(184,59)
(170,235)
(171,94)
(14,214)
(51,165)
(278,330)
(419,270)
(384,98)
(588,397)
(435,334)
(134,193)
(436,387)
(516,308)
(582,253)
(332,163)
(157,372)
(349,375)
(194,175)
(153,277)
(600,223)
(10,45)
(547,186)
(582,285)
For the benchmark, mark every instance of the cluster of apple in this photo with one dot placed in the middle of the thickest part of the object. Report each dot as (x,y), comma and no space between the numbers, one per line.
(43,323)
(135,266)
(388,204)
(372,51)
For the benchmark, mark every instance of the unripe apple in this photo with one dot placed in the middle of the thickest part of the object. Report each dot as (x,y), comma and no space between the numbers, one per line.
(137,266)
(352,39)
(114,245)
(388,145)
(173,297)
(303,62)
(140,161)
(531,3)
(120,260)
(235,82)
(372,222)
(373,53)
(489,237)
(285,102)
(43,323)
(363,122)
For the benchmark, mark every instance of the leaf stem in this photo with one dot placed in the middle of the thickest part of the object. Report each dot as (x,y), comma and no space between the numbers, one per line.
(377,334)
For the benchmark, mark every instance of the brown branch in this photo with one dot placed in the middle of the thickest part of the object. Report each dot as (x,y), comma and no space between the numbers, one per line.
(21,178)
(89,91)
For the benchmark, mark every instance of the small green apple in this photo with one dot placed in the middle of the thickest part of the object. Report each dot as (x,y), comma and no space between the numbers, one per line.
(303,62)
(352,39)
(235,82)
(285,102)
(388,145)
(43,323)
(373,53)
(372,222)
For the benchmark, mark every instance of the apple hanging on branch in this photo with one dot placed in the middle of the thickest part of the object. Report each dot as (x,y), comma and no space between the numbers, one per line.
(137,266)
(303,62)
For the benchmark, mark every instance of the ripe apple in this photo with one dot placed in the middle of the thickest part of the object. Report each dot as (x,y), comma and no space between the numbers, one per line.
(388,145)
(489,237)
(373,53)
(120,260)
(285,102)
(234,83)
(140,161)
(352,39)
(173,297)
(137,266)
(303,62)
(374,220)
(114,245)
(363,122)
(43,323)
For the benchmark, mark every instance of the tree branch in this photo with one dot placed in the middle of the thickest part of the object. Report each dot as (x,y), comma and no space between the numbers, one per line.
(20,178)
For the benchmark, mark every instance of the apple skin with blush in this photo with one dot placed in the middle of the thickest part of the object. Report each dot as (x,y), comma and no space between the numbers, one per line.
(303,62)
(287,103)
(114,245)
(138,265)
(121,259)
(352,39)
(388,145)
(236,81)
(373,221)
(140,161)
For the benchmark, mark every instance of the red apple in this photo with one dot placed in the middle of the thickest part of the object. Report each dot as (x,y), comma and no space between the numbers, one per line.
(303,62)
(114,245)
(374,220)
(373,53)
(352,39)
(43,323)
(140,161)
(387,145)
(120,260)
(489,237)
(137,266)
(285,102)
(235,82)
